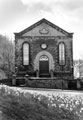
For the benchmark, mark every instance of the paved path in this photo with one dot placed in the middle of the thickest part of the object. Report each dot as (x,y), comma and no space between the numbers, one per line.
(52,91)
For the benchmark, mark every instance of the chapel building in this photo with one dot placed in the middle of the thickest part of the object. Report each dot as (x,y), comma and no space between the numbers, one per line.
(44,53)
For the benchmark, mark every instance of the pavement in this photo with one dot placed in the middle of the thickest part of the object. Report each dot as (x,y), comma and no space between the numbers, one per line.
(45,90)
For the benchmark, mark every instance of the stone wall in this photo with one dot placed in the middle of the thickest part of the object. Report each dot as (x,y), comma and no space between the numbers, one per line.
(52,47)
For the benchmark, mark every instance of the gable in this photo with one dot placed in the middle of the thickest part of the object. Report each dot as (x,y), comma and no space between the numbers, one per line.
(43,28)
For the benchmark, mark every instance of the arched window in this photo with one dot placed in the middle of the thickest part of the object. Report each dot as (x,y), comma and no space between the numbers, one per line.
(25,54)
(62,53)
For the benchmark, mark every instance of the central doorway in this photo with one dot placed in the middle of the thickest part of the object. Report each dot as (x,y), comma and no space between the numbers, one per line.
(44,66)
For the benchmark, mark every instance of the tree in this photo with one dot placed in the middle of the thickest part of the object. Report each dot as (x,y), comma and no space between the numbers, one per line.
(6,56)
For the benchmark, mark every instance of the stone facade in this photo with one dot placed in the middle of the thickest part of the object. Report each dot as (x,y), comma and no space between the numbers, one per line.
(44,32)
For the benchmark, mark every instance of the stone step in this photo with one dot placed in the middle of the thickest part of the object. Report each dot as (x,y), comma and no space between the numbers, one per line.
(44,78)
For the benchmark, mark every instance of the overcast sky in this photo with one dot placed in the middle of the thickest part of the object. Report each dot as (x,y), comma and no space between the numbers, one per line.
(16,15)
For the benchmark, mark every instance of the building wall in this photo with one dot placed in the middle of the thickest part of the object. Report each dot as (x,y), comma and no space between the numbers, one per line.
(53,48)
(50,34)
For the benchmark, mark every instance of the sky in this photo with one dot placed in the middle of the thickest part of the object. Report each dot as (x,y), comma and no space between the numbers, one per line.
(16,15)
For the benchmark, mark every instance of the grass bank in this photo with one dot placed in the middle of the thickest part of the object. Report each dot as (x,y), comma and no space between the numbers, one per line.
(18,104)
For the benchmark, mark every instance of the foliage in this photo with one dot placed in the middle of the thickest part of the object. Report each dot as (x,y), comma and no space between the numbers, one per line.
(20,104)
(6,55)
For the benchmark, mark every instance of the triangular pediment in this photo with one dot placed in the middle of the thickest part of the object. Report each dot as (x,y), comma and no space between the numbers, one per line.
(43,28)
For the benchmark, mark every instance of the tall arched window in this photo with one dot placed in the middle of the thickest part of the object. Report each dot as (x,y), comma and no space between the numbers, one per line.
(25,54)
(62,53)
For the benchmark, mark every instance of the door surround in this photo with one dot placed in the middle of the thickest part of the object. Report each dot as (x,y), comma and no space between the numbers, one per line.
(37,58)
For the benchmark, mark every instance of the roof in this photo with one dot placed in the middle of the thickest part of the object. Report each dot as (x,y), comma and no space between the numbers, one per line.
(47,22)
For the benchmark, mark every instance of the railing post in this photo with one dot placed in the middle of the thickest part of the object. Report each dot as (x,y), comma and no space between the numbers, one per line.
(14,80)
(37,73)
(78,84)
(26,79)
(51,73)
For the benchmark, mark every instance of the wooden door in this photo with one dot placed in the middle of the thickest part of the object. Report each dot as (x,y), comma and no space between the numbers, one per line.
(44,66)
